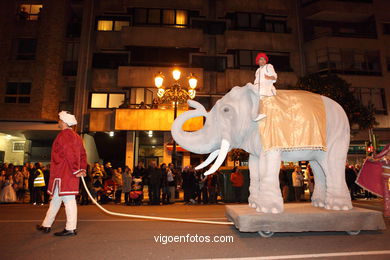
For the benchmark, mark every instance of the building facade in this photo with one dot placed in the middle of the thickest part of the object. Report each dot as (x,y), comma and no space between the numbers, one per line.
(93,56)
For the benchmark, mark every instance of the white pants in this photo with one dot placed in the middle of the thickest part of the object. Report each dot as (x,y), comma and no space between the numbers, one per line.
(70,209)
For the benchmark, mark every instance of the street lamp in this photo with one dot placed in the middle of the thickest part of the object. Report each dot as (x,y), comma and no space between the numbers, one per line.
(175,94)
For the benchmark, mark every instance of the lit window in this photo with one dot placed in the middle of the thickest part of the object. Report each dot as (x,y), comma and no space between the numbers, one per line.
(18,146)
(169,16)
(119,24)
(99,100)
(107,100)
(105,25)
(115,100)
(29,12)
(181,17)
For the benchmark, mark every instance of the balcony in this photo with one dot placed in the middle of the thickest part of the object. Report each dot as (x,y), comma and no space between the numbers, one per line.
(325,34)
(161,36)
(338,10)
(259,40)
(138,119)
(140,76)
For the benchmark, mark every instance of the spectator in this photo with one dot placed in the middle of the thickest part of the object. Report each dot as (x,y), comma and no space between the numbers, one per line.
(26,174)
(201,188)
(142,105)
(154,183)
(350,178)
(39,184)
(19,184)
(310,180)
(237,180)
(211,183)
(297,178)
(84,200)
(164,184)
(155,103)
(189,185)
(108,170)
(139,170)
(46,174)
(31,171)
(117,178)
(127,179)
(2,178)
(283,181)
(8,194)
(172,177)
(23,14)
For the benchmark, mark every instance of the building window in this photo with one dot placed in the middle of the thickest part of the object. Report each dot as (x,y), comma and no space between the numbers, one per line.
(110,60)
(258,22)
(70,64)
(209,63)
(29,12)
(386,28)
(18,146)
(26,49)
(107,100)
(155,56)
(246,59)
(18,92)
(348,61)
(388,63)
(372,96)
(166,17)
(110,24)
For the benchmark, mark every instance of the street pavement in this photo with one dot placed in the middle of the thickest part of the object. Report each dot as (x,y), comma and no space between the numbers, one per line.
(102,236)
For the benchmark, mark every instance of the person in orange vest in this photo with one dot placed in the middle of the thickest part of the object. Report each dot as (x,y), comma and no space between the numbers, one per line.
(237,180)
(39,184)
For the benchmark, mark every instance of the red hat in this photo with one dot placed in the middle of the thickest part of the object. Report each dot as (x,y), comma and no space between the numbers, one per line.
(261,55)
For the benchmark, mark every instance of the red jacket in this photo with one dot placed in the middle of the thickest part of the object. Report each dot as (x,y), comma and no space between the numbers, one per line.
(237,179)
(68,158)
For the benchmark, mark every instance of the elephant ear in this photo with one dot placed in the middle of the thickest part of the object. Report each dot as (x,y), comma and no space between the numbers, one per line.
(196,105)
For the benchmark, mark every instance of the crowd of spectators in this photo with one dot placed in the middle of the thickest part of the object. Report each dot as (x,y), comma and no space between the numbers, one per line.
(155,185)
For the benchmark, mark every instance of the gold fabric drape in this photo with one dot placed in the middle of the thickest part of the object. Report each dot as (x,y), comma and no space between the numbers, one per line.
(295,120)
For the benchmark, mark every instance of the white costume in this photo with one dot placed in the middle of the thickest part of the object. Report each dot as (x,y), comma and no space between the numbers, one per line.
(70,209)
(263,87)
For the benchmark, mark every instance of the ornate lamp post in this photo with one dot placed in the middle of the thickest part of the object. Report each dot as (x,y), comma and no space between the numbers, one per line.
(175,94)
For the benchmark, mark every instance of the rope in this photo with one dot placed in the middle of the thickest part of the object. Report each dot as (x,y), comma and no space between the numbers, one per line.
(150,217)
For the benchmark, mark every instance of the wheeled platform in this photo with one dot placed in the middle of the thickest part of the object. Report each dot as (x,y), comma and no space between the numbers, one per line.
(303,217)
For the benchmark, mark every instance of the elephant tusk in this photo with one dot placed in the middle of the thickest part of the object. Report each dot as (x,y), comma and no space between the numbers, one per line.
(209,160)
(225,145)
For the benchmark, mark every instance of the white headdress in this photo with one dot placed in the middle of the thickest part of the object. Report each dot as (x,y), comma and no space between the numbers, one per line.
(68,118)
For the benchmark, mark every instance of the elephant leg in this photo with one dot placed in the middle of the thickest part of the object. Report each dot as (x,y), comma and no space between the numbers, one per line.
(337,193)
(270,198)
(319,194)
(254,185)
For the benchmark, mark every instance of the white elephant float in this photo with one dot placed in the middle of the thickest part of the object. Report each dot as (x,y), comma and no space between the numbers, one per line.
(229,125)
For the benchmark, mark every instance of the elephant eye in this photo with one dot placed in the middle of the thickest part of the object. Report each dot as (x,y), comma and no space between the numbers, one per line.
(226,109)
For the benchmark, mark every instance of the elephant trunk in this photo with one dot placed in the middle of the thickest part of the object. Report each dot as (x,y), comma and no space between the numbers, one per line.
(203,141)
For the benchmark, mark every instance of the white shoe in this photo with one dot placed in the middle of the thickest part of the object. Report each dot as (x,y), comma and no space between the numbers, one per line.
(259,117)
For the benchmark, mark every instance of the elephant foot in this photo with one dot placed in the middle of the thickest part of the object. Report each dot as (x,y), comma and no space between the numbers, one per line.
(318,198)
(267,204)
(338,202)
(251,202)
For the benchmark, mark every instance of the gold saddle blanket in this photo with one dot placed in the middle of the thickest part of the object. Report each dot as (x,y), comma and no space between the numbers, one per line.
(295,120)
